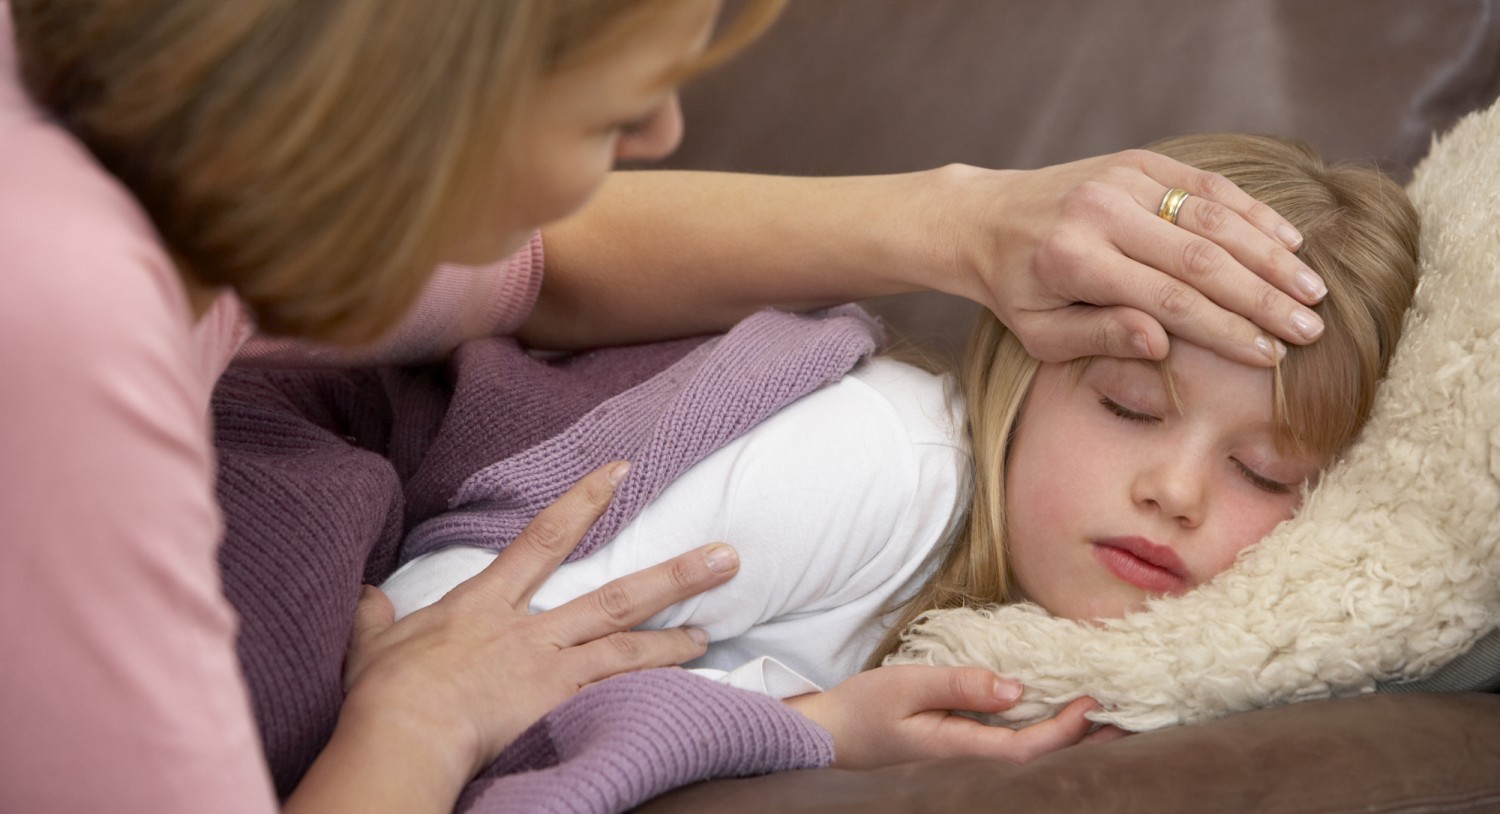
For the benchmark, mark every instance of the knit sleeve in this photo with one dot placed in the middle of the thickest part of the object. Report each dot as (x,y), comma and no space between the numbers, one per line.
(623,741)
(458,304)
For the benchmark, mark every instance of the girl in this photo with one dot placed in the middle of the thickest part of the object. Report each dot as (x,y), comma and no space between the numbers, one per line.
(1086,487)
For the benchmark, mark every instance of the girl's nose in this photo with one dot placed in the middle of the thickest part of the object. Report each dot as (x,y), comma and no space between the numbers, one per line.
(655,137)
(1174,485)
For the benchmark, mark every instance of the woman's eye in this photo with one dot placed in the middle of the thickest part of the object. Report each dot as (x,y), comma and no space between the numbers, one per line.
(1127,413)
(634,127)
(1260,481)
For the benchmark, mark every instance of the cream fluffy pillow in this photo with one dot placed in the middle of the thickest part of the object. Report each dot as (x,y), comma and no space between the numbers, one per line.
(1390,570)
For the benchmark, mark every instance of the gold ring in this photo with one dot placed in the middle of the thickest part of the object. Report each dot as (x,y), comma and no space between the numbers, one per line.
(1171,204)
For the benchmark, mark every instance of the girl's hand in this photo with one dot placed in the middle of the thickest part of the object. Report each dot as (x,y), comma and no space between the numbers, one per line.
(900,713)
(467,674)
(1075,261)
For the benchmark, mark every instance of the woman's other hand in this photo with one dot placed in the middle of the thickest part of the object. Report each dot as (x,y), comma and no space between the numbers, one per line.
(901,713)
(1075,260)
(469,673)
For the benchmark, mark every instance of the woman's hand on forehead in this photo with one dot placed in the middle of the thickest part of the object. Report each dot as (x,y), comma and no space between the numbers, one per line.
(1076,261)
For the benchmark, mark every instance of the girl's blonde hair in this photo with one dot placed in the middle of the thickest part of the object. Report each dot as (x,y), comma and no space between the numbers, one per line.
(315,155)
(1360,235)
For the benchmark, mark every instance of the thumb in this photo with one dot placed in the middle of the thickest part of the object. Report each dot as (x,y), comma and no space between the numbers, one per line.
(1075,331)
(971,689)
(372,615)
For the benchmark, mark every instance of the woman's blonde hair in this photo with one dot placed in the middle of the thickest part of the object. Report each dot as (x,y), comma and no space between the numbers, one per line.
(315,155)
(1360,234)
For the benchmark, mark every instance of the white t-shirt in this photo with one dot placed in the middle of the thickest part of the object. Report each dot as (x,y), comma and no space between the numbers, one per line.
(834,505)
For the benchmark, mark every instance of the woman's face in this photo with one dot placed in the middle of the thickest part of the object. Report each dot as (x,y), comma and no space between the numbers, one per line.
(621,105)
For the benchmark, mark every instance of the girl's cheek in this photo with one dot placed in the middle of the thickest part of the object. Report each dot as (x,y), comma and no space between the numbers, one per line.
(1252,520)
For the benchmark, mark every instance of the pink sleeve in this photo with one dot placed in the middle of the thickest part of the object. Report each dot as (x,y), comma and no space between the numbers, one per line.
(119,686)
(459,303)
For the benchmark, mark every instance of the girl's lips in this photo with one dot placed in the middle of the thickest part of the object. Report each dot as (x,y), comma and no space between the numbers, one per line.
(1153,568)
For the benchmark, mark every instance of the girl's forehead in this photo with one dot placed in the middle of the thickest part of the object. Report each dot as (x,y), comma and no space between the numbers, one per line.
(1193,379)
(1187,366)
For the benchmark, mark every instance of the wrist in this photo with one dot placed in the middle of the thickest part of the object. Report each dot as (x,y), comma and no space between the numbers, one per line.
(448,747)
(377,763)
(816,707)
(952,215)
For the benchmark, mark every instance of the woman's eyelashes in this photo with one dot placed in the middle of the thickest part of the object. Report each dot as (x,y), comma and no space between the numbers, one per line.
(639,124)
(634,127)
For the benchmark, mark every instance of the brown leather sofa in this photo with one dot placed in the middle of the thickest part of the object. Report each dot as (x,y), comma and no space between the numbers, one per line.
(868,86)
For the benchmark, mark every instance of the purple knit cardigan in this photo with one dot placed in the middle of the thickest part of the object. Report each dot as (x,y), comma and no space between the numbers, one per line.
(323,474)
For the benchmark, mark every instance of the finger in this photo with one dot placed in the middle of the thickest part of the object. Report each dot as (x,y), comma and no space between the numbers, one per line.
(1074,331)
(1233,264)
(373,614)
(1216,275)
(626,602)
(1064,729)
(631,650)
(1234,222)
(972,689)
(1267,258)
(1217,188)
(1230,261)
(1178,306)
(1105,734)
(522,567)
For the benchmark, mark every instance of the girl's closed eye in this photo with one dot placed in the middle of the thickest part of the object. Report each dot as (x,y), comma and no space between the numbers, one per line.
(1260,481)
(1126,413)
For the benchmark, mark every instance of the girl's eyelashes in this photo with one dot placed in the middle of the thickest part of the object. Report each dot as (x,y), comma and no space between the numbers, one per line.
(1256,479)
(1260,481)
(1127,413)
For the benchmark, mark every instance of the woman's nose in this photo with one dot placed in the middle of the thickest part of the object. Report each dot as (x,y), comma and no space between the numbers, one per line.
(654,138)
(1174,485)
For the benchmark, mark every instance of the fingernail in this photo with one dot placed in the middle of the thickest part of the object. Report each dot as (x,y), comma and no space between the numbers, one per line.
(698,635)
(1289,236)
(1270,348)
(721,558)
(1306,324)
(1007,691)
(1311,286)
(1142,347)
(618,473)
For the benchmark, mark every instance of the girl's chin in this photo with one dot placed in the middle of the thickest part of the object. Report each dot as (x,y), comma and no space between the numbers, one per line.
(1095,611)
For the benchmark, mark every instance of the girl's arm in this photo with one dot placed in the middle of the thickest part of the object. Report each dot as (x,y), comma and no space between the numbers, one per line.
(674,253)
(833,504)
(896,715)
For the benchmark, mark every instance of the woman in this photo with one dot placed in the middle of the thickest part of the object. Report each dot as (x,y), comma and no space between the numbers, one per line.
(183,167)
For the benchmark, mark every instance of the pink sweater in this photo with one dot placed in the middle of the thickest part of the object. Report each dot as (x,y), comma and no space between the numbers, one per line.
(116,644)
